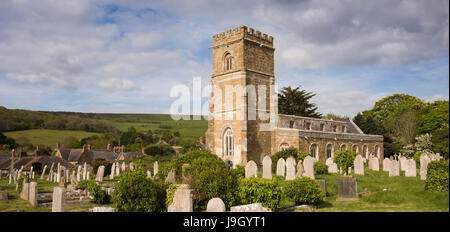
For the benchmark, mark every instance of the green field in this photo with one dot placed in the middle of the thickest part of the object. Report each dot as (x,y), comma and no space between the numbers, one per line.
(48,137)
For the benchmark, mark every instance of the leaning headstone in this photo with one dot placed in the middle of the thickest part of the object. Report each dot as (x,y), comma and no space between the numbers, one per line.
(113,169)
(251,169)
(395,168)
(255,207)
(100,173)
(424,161)
(59,199)
(386,164)
(359,165)
(290,168)
(155,167)
(102,209)
(300,169)
(182,200)
(281,167)
(30,174)
(323,185)
(410,170)
(309,167)
(25,190)
(347,188)
(215,205)
(267,168)
(33,193)
(43,172)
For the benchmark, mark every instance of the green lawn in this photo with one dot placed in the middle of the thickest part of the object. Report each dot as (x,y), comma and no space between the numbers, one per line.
(48,137)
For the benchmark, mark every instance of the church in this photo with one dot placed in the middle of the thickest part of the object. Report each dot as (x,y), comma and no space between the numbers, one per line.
(244,123)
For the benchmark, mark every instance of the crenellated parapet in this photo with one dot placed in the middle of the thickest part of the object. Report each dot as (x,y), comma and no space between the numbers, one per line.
(242,32)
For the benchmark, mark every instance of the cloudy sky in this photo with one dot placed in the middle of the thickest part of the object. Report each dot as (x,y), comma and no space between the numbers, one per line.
(125,56)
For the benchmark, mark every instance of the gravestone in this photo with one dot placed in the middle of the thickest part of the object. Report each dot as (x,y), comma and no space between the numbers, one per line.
(255,207)
(84,171)
(100,173)
(290,168)
(347,188)
(149,174)
(386,164)
(79,173)
(323,186)
(300,169)
(155,167)
(395,168)
(102,209)
(25,190)
(113,169)
(281,167)
(215,205)
(117,169)
(424,161)
(4,195)
(182,200)
(251,169)
(33,193)
(59,199)
(403,163)
(124,168)
(410,170)
(309,167)
(359,165)
(171,177)
(267,168)
(375,164)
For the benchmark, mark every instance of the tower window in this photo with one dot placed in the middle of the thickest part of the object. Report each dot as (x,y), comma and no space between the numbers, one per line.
(228,142)
(228,62)
(291,124)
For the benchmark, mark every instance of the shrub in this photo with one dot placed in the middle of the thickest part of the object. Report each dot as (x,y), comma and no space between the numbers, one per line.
(344,159)
(320,168)
(98,195)
(437,176)
(211,178)
(416,157)
(238,171)
(258,190)
(190,145)
(159,149)
(304,191)
(83,184)
(135,193)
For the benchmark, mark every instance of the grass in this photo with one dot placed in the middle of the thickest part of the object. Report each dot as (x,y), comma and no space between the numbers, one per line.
(403,194)
(48,137)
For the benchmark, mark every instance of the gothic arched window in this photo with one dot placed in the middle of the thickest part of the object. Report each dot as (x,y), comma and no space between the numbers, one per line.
(365,148)
(314,151)
(228,142)
(355,148)
(329,150)
(376,151)
(227,62)
(343,147)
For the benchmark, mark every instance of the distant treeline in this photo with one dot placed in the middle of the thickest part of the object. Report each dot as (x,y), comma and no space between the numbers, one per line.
(14,120)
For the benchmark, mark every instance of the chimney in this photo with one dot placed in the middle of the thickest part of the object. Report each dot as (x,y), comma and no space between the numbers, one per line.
(84,148)
(108,147)
(201,139)
(58,146)
(13,152)
(89,146)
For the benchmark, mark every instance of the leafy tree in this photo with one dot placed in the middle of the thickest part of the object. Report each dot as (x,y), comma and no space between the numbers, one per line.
(160,150)
(345,159)
(433,116)
(440,140)
(7,141)
(296,102)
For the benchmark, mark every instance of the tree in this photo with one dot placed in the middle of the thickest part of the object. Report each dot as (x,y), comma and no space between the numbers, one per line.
(296,102)
(440,140)
(433,117)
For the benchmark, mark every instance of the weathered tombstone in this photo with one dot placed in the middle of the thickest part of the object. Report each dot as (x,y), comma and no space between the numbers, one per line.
(59,199)
(66,175)
(359,165)
(149,174)
(33,193)
(375,164)
(215,205)
(155,167)
(267,168)
(424,160)
(4,195)
(30,174)
(100,173)
(403,163)
(290,168)
(124,167)
(113,169)
(79,173)
(410,170)
(117,169)
(281,167)
(395,168)
(347,188)
(332,166)
(251,169)
(255,207)
(25,190)
(300,169)
(171,177)
(58,176)
(182,200)
(386,164)
(103,209)
(323,185)
(309,167)
(10,179)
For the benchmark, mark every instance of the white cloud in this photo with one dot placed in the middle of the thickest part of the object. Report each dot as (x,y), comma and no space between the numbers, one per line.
(117,84)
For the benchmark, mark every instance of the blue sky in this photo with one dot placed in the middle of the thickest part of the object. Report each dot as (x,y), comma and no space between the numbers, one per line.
(125,56)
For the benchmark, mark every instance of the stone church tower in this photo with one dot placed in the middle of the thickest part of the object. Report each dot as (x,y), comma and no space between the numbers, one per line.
(241,102)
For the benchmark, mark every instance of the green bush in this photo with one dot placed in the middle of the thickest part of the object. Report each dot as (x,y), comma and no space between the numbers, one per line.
(344,159)
(437,176)
(320,168)
(135,193)
(286,153)
(238,171)
(416,157)
(98,195)
(304,191)
(190,145)
(159,149)
(83,184)
(212,178)
(258,190)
